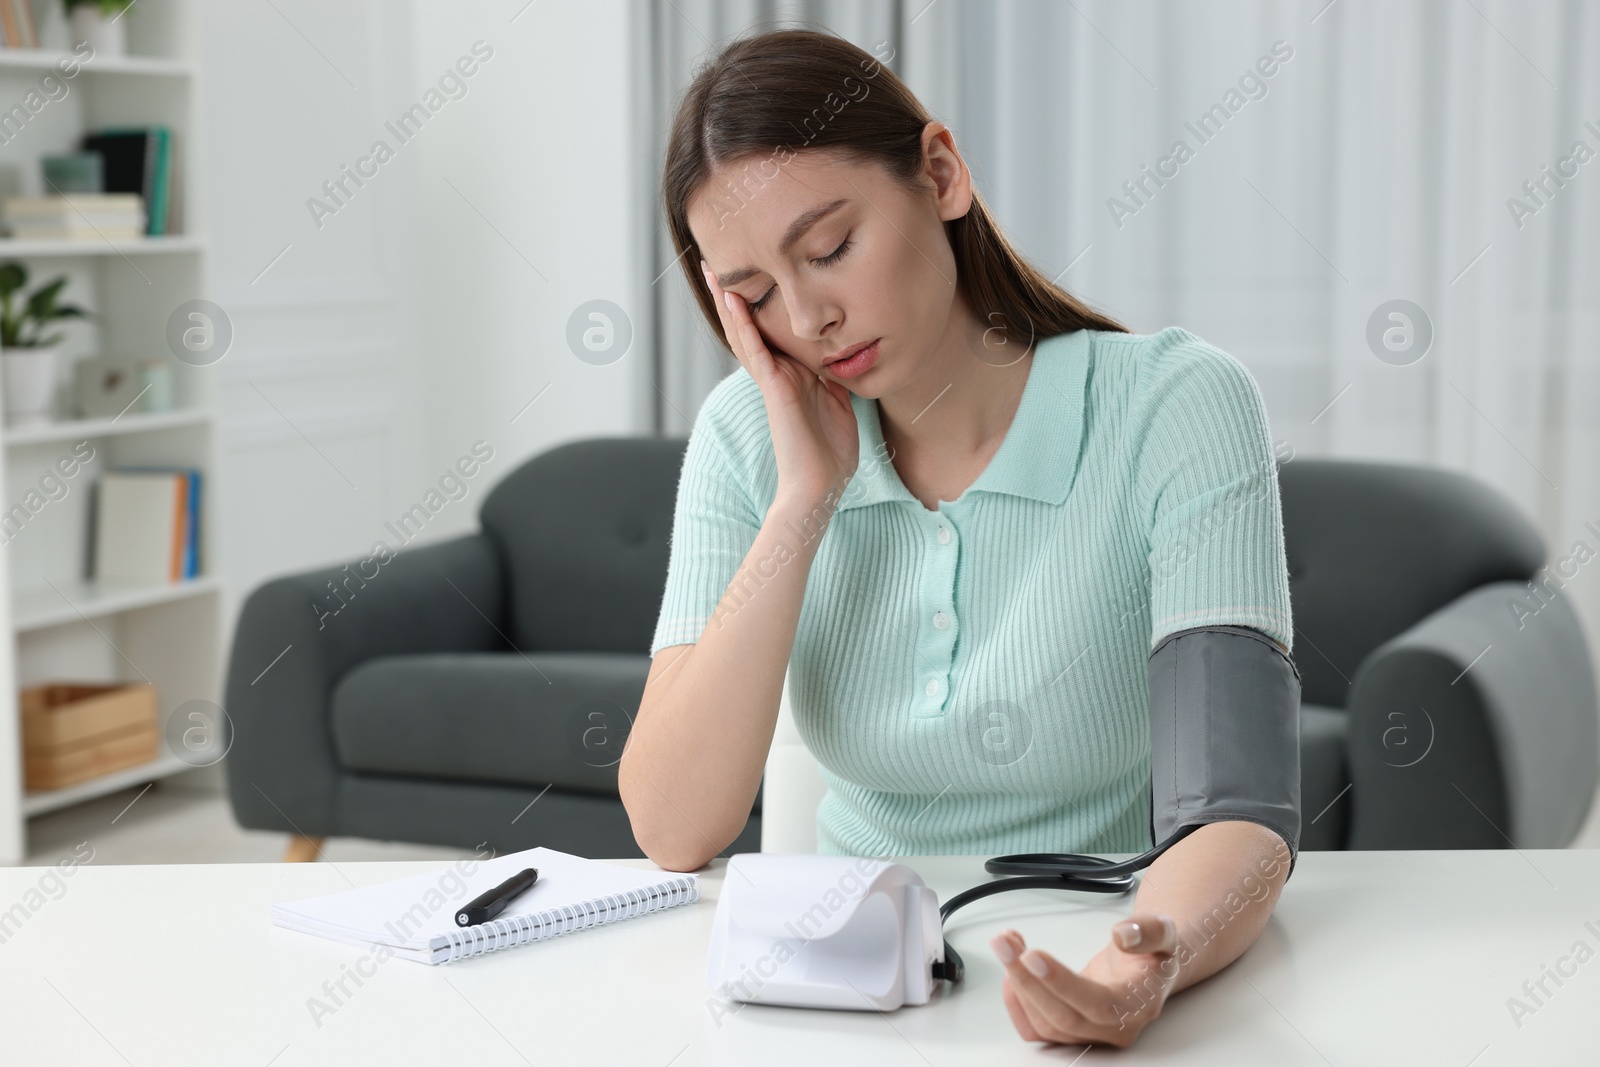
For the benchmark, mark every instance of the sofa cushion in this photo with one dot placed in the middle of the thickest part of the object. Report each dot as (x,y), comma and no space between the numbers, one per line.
(1324,773)
(534,719)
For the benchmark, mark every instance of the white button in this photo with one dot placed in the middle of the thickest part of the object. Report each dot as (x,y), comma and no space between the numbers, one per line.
(941,620)
(944,535)
(932,688)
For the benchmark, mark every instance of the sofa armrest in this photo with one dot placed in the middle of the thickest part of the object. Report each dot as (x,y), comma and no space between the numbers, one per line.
(1476,728)
(298,635)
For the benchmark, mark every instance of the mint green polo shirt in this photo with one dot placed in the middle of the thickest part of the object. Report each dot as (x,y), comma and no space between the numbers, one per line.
(972,679)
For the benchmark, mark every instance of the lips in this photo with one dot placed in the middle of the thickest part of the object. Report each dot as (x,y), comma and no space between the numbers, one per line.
(857,365)
(847,353)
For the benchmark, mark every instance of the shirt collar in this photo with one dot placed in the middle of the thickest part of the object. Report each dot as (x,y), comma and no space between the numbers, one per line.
(1038,457)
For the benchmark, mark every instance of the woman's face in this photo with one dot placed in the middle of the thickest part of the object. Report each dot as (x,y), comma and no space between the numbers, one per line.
(830,254)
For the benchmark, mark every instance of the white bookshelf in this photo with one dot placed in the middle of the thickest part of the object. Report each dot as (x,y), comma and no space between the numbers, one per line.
(71,430)
(57,624)
(39,59)
(62,604)
(17,248)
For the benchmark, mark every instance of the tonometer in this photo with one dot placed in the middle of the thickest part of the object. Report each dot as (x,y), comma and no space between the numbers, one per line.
(859,933)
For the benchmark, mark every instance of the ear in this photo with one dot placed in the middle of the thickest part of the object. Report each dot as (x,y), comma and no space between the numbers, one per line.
(943,166)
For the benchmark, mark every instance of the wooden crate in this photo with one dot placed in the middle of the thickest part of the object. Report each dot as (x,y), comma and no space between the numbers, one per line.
(71,733)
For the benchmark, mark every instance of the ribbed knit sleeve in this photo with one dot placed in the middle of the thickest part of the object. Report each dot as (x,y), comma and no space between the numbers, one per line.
(1205,474)
(713,525)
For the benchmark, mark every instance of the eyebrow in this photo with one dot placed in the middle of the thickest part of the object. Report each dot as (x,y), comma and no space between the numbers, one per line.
(797,229)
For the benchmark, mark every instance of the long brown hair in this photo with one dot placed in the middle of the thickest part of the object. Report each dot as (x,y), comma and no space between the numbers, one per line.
(762,94)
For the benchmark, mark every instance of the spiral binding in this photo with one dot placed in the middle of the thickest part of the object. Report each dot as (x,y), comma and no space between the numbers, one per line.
(521,929)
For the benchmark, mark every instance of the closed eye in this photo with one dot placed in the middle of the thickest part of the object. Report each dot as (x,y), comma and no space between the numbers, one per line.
(826,261)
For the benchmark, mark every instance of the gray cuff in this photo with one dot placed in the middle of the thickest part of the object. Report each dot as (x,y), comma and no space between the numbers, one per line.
(1224,733)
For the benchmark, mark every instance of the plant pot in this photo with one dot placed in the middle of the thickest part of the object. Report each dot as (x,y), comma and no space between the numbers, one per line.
(107,36)
(30,385)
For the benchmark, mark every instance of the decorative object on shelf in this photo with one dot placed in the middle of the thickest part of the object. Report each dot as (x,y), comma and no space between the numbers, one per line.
(99,22)
(76,216)
(30,385)
(28,354)
(71,733)
(157,384)
(104,386)
(74,172)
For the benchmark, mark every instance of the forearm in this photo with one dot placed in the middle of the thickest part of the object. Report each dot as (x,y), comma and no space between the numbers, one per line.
(694,757)
(1219,884)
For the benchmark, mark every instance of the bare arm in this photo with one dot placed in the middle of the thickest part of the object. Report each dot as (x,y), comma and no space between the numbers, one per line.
(1201,904)
(1219,885)
(693,762)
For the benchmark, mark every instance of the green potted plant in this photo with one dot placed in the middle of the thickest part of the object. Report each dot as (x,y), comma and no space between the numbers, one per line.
(100,23)
(27,351)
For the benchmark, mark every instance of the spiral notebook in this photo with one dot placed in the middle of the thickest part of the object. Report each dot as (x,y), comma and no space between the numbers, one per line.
(415,916)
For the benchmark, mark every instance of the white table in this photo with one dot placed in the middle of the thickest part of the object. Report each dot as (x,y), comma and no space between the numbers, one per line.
(1379,957)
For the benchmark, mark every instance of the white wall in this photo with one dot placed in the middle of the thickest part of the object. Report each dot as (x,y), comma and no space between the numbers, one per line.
(423,314)
(524,216)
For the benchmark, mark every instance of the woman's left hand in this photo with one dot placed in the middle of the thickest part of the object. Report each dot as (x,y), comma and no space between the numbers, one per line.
(1110,1001)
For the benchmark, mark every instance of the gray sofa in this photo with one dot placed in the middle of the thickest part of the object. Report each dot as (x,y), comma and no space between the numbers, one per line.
(478,690)
(473,690)
(1455,718)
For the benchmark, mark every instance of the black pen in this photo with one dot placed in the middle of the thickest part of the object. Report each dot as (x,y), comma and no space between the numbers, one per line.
(495,900)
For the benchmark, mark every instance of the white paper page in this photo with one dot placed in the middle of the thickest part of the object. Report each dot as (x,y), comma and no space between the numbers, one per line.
(410,911)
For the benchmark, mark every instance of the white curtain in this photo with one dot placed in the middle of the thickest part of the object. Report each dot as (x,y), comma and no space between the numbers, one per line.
(1383,159)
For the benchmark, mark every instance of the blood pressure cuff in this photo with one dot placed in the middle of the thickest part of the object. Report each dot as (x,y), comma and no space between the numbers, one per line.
(1224,733)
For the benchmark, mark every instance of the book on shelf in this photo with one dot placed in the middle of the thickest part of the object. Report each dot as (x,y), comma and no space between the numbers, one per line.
(75,215)
(146,525)
(17,29)
(139,159)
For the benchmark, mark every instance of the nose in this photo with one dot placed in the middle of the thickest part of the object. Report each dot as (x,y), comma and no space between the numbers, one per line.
(813,317)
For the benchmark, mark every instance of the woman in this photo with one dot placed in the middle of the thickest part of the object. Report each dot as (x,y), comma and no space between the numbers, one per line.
(960,507)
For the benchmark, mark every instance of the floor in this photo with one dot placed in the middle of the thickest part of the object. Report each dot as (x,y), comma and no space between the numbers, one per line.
(180,820)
